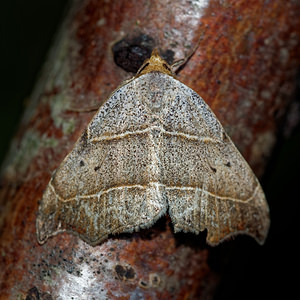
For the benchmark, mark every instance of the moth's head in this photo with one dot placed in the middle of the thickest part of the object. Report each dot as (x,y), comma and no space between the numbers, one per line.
(155,64)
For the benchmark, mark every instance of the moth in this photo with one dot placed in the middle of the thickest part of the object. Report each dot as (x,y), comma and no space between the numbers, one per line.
(153,148)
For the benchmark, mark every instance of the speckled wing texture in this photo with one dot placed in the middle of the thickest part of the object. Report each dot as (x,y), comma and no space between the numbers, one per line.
(154,147)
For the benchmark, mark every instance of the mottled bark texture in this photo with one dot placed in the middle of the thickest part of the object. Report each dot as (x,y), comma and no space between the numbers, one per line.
(244,68)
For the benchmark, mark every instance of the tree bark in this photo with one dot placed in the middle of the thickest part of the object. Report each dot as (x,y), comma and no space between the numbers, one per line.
(244,68)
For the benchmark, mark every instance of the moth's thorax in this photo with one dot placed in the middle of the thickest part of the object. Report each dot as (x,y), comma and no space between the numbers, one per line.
(156,90)
(155,64)
(155,83)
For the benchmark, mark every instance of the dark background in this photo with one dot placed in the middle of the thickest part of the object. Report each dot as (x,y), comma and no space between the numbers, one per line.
(27,30)
(249,270)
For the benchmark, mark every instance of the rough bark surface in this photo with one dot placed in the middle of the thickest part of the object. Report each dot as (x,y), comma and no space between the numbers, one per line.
(244,68)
